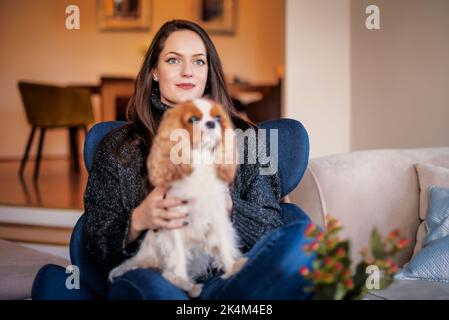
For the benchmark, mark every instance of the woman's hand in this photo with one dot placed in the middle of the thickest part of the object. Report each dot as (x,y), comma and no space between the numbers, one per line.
(154,213)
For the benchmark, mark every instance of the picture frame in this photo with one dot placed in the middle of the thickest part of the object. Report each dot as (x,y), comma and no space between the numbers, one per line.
(216,16)
(123,15)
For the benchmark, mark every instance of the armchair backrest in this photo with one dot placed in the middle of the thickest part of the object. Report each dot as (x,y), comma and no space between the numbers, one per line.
(293,151)
(94,137)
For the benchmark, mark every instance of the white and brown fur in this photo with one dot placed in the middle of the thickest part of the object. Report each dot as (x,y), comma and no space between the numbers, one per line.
(186,253)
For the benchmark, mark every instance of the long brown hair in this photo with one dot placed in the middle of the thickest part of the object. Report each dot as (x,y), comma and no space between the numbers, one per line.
(140,111)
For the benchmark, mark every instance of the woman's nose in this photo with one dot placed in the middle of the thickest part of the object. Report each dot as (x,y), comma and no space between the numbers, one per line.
(187,70)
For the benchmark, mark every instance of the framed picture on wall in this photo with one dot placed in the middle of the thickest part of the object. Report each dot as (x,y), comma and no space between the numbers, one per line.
(216,16)
(123,15)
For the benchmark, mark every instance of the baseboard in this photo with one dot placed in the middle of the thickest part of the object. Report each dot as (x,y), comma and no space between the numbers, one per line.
(37,225)
(35,234)
(65,218)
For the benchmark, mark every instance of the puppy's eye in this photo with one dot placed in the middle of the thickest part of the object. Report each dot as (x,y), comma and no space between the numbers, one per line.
(193,119)
(218,118)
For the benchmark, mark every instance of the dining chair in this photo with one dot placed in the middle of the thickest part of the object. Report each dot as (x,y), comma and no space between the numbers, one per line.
(49,107)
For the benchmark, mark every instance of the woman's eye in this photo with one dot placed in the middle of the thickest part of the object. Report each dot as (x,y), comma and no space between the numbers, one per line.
(193,119)
(172,60)
(200,62)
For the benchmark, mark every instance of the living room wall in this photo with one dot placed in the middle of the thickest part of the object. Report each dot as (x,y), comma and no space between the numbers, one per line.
(317,79)
(400,75)
(355,88)
(36,46)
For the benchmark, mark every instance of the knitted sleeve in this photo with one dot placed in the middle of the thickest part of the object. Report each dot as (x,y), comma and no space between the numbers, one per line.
(256,210)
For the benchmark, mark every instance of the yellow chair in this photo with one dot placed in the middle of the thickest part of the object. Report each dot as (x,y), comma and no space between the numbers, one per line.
(49,107)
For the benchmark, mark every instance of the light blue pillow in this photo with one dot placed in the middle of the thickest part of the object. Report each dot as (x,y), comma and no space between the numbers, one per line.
(432,262)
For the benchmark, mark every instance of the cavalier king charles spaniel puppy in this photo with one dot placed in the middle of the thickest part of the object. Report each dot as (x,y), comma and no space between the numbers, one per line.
(201,174)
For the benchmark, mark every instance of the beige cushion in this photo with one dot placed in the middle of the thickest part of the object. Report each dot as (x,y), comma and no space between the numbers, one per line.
(420,237)
(18,268)
(428,175)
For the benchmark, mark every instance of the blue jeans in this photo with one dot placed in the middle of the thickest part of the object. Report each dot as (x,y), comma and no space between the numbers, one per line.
(271,272)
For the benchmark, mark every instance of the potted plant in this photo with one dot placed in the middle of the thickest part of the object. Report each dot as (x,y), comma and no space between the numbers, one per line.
(333,275)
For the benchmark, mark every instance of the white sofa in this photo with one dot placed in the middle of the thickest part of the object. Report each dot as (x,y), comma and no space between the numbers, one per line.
(374,188)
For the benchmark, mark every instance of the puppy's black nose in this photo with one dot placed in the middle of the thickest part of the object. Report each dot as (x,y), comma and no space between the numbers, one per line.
(210,124)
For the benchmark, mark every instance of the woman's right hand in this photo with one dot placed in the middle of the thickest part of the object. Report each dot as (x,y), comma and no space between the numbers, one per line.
(155,213)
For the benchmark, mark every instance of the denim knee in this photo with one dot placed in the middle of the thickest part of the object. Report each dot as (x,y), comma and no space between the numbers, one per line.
(291,242)
(144,284)
(272,270)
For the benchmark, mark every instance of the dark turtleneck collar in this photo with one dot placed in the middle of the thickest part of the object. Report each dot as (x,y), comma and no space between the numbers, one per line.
(156,100)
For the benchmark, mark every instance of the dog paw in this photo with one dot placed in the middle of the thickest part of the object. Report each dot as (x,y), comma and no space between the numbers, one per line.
(216,264)
(115,273)
(195,291)
(178,281)
(238,264)
(236,267)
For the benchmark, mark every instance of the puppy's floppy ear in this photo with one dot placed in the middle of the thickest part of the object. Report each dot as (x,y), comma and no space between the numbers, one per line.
(226,166)
(226,153)
(160,167)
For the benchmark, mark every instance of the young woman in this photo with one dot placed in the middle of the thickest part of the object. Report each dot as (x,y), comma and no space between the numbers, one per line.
(181,64)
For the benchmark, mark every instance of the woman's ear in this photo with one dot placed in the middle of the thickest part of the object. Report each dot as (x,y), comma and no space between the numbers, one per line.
(154,75)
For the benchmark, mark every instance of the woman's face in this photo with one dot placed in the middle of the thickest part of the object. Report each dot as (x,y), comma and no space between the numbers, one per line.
(182,68)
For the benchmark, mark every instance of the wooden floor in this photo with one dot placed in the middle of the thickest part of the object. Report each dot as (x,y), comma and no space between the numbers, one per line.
(57,187)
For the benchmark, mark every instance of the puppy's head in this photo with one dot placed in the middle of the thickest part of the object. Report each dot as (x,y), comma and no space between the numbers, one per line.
(204,120)
(208,127)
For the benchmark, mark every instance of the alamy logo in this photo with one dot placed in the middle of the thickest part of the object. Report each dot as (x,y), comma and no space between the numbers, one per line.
(73,280)
(373,280)
(372,22)
(73,20)
(257,149)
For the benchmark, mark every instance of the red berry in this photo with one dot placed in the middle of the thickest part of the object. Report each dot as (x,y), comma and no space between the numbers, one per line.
(310,229)
(401,244)
(304,271)
(348,283)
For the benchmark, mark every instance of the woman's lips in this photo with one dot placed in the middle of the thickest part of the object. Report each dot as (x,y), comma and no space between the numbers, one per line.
(185,86)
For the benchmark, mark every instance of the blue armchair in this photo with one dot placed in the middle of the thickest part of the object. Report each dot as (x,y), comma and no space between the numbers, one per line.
(50,281)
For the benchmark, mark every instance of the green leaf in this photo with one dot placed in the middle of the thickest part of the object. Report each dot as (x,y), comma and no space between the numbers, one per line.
(340,292)
(385,282)
(377,247)
(316,264)
(325,292)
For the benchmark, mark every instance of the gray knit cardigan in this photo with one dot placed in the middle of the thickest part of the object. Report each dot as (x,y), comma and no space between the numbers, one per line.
(116,187)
